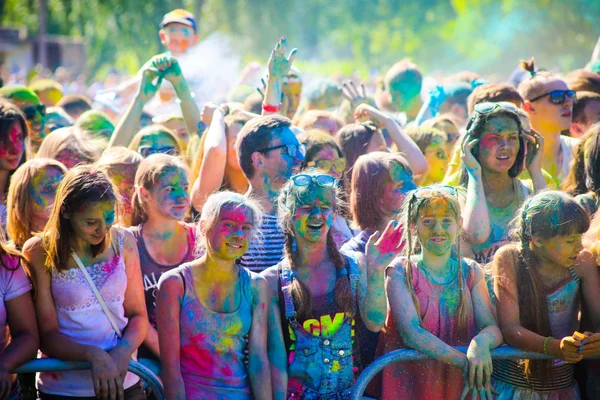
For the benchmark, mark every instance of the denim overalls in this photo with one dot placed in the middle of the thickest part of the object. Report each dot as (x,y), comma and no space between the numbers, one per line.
(322,367)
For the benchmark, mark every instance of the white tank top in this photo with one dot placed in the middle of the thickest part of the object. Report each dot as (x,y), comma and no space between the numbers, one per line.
(81,318)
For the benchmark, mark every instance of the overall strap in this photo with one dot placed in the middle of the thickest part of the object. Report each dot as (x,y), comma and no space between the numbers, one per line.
(285,278)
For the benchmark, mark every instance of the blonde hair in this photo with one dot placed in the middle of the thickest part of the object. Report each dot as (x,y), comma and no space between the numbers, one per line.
(19,202)
(70,138)
(211,211)
(115,158)
(409,219)
(149,172)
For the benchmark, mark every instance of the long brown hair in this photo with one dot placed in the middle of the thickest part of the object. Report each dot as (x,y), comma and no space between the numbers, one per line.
(545,215)
(81,186)
(149,172)
(410,216)
(288,201)
(372,172)
(19,202)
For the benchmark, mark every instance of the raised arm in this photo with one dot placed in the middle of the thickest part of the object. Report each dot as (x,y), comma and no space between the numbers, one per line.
(476,218)
(279,66)
(168,307)
(130,121)
(214,158)
(405,144)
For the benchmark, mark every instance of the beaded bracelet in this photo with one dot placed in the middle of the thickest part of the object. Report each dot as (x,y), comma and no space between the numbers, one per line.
(546,344)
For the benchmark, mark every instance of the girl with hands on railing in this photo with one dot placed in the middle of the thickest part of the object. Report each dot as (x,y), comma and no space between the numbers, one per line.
(538,284)
(438,300)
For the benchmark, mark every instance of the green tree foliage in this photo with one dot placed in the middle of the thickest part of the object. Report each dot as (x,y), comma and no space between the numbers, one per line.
(487,36)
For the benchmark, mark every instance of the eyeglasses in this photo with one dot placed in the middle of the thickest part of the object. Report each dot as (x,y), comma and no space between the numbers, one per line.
(558,96)
(325,165)
(31,111)
(321,180)
(146,151)
(427,191)
(292,150)
(487,107)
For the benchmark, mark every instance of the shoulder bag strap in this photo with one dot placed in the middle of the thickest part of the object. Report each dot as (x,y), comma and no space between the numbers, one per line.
(107,312)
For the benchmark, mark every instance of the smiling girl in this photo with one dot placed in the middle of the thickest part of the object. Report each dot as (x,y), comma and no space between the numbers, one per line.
(317,293)
(493,151)
(73,325)
(438,300)
(160,202)
(207,307)
(539,284)
(31,197)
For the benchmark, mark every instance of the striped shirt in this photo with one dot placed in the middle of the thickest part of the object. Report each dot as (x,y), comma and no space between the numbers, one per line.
(268,250)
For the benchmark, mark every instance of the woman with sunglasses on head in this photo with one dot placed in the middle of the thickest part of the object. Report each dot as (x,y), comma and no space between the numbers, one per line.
(438,299)
(323,153)
(493,153)
(549,105)
(13,137)
(155,139)
(317,293)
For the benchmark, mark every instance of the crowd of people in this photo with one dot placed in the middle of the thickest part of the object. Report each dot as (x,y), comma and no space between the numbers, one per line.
(273,244)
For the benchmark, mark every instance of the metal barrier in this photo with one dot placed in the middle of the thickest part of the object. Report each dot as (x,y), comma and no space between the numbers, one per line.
(499,353)
(52,364)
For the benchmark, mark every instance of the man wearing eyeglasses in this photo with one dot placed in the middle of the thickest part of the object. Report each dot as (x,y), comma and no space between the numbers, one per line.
(549,105)
(35,112)
(269,154)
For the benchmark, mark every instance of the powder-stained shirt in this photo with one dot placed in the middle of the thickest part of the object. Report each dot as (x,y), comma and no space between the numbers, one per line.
(268,249)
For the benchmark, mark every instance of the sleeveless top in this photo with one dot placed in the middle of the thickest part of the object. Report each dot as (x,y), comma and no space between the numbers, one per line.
(212,344)
(431,379)
(564,303)
(81,318)
(151,272)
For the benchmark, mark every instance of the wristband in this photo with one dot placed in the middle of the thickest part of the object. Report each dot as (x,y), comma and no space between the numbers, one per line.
(270,108)
(546,344)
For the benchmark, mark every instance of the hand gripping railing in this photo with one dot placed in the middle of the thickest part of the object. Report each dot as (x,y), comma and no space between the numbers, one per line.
(52,364)
(500,353)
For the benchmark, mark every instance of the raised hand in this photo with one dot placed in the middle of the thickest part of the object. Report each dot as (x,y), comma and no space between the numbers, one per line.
(147,88)
(467,156)
(367,112)
(280,63)
(382,248)
(535,148)
(351,93)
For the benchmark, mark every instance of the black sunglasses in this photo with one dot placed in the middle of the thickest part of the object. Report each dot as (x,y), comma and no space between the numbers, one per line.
(558,96)
(31,111)
(291,149)
(321,180)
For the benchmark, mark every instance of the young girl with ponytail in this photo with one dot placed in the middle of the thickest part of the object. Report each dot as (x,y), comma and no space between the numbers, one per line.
(539,283)
(160,202)
(317,293)
(438,300)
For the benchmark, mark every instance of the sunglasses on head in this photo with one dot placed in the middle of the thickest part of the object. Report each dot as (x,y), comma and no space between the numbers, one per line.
(293,150)
(321,180)
(31,111)
(427,191)
(146,151)
(487,107)
(325,165)
(558,96)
